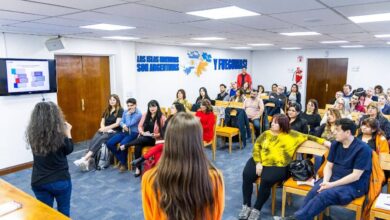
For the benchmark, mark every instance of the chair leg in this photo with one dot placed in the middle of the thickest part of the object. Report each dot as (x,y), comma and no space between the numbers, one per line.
(372,215)
(239,139)
(273,193)
(327,212)
(289,199)
(284,194)
(388,187)
(214,148)
(230,144)
(129,159)
(359,213)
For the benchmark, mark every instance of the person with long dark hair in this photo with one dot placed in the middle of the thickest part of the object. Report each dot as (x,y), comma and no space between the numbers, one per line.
(150,130)
(50,139)
(311,115)
(373,111)
(371,134)
(202,96)
(109,125)
(185,184)
(207,119)
(294,96)
(297,123)
(266,162)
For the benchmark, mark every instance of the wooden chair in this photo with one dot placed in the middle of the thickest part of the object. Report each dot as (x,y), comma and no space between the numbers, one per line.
(228,132)
(322,112)
(377,212)
(164,111)
(273,194)
(387,116)
(328,106)
(271,105)
(290,186)
(130,155)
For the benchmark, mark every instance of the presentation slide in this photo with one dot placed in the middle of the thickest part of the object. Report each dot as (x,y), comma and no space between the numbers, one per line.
(27,76)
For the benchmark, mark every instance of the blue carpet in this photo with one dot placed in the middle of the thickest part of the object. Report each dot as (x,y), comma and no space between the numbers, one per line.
(110,195)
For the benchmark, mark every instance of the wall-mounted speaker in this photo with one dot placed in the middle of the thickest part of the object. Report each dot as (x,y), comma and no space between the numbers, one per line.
(54,44)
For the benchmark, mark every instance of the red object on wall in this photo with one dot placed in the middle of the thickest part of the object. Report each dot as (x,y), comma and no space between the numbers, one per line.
(298,76)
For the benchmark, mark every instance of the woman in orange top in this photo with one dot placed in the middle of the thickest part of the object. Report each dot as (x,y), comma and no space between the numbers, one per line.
(180,189)
(371,134)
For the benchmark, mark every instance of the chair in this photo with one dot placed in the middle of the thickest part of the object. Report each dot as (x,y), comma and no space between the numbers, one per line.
(130,155)
(271,105)
(322,112)
(228,132)
(273,194)
(164,111)
(387,116)
(377,212)
(290,186)
(328,106)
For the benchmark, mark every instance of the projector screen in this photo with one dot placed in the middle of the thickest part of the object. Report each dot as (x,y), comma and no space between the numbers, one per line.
(27,76)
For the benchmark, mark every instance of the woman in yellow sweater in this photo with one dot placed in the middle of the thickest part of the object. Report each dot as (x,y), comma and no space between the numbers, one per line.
(178,189)
(272,153)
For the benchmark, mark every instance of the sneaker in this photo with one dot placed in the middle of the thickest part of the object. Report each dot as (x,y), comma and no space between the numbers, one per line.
(78,162)
(255,215)
(84,165)
(244,213)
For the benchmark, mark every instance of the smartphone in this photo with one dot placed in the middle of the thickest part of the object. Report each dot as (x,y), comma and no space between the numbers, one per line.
(9,207)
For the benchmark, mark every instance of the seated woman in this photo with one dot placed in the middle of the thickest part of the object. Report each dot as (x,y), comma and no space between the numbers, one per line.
(340,106)
(185,184)
(261,90)
(156,151)
(109,125)
(267,163)
(202,96)
(149,128)
(294,96)
(383,105)
(371,134)
(311,115)
(297,123)
(181,98)
(207,119)
(246,89)
(238,97)
(355,105)
(374,112)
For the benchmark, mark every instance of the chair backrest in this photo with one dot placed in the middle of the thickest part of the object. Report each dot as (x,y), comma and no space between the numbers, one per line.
(311,147)
(164,111)
(229,104)
(384,161)
(387,116)
(321,112)
(264,97)
(328,106)
(270,104)
(221,103)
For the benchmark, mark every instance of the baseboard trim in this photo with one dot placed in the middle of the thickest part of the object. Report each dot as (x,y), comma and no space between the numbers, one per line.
(15,168)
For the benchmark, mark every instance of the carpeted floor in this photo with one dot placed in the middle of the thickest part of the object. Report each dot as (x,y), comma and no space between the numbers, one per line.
(110,195)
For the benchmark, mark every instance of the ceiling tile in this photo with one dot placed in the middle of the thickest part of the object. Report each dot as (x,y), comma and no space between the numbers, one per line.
(48,27)
(149,13)
(185,6)
(218,25)
(276,6)
(335,3)
(34,8)
(259,22)
(367,9)
(375,27)
(83,4)
(19,16)
(337,29)
(6,21)
(63,22)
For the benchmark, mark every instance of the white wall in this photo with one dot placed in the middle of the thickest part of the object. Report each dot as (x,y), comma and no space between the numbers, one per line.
(366,67)
(15,110)
(163,86)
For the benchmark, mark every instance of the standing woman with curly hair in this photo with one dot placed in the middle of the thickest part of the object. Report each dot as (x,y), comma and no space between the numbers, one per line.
(183,189)
(50,140)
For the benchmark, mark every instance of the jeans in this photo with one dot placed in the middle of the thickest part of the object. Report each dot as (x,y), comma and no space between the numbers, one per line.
(98,139)
(122,138)
(256,124)
(60,190)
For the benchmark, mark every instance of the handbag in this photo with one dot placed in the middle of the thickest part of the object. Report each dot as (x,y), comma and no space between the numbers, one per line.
(301,170)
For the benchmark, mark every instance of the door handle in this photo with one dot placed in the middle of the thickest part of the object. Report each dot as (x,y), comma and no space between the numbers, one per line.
(326,88)
(82,105)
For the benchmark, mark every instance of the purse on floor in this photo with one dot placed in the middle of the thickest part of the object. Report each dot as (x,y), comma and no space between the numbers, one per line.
(301,170)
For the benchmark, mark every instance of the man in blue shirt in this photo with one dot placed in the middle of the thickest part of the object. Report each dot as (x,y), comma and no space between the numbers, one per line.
(129,125)
(346,174)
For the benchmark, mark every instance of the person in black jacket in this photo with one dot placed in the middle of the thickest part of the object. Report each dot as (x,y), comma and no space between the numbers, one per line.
(50,140)
(297,123)
(311,115)
(294,96)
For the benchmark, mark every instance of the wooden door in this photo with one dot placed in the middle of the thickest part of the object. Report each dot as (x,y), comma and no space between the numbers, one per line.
(83,91)
(324,78)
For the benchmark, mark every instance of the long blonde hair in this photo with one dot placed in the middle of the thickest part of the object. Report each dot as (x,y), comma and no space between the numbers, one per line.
(182,180)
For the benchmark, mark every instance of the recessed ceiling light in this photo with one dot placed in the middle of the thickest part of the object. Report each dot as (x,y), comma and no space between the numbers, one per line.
(382,35)
(307,33)
(195,44)
(107,27)
(121,38)
(334,42)
(290,48)
(260,45)
(370,18)
(388,42)
(241,48)
(352,46)
(208,38)
(221,13)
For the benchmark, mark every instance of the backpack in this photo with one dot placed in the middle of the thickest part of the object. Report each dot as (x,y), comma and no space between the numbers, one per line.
(103,158)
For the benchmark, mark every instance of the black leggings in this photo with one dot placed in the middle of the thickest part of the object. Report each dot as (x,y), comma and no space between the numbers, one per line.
(269,176)
(139,143)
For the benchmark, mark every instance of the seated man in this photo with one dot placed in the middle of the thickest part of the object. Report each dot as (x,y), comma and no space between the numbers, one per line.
(346,174)
(129,124)
(254,108)
(223,95)
(279,98)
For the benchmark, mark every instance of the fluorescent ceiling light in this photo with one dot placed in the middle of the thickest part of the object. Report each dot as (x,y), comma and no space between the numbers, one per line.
(382,35)
(195,44)
(334,42)
(388,42)
(290,48)
(370,18)
(307,33)
(241,48)
(107,27)
(352,46)
(121,38)
(208,38)
(221,13)
(260,45)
